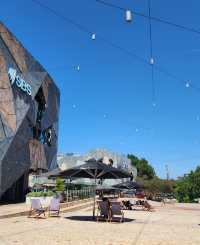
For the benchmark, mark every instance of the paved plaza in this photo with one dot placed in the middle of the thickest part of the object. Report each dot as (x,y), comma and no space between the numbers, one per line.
(169,224)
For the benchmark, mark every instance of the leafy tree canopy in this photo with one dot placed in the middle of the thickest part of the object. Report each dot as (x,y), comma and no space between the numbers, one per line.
(144,169)
(158,186)
(188,187)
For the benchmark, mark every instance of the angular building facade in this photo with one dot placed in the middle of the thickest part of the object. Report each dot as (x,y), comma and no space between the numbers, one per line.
(29,113)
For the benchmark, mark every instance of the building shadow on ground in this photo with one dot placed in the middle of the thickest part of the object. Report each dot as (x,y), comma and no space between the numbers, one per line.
(90,218)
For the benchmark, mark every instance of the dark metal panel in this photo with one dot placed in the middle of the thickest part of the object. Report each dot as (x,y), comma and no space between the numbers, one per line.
(25,118)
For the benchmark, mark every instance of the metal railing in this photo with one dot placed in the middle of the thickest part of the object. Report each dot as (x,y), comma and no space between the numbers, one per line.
(72,195)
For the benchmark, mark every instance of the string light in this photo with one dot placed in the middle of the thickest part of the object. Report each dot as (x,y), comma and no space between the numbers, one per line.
(166,22)
(151,61)
(128,15)
(116,46)
(187,84)
(70,67)
(151,56)
(93,36)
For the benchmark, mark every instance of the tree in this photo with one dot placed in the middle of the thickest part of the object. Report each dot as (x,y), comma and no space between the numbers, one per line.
(144,169)
(188,187)
(156,186)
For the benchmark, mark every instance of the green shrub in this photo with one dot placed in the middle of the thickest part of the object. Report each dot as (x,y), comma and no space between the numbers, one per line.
(60,185)
(187,188)
(40,194)
(186,199)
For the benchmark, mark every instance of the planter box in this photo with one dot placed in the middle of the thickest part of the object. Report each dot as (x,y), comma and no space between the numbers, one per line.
(45,201)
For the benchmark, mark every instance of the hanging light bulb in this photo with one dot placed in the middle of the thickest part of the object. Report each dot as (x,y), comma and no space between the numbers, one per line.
(78,68)
(136,130)
(152,61)
(93,36)
(154,104)
(187,85)
(128,15)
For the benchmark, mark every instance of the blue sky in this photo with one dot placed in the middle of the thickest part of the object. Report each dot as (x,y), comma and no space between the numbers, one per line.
(108,103)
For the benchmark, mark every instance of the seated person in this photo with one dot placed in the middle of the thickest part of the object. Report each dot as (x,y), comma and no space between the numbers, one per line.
(105,199)
(127,204)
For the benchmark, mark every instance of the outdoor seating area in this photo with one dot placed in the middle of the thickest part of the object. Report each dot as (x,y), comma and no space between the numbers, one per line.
(107,210)
(37,209)
(124,206)
(111,201)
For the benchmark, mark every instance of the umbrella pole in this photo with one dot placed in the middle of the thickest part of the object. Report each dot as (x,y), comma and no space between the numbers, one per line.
(94,198)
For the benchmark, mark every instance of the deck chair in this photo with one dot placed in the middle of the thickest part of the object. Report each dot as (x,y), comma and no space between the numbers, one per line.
(116,209)
(54,207)
(103,210)
(36,208)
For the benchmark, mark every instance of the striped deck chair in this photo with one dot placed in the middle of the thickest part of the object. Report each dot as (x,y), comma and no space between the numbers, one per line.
(36,208)
(103,211)
(116,209)
(54,207)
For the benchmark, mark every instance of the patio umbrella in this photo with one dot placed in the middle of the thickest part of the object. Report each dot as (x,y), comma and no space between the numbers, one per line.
(93,169)
(128,185)
(55,172)
(106,188)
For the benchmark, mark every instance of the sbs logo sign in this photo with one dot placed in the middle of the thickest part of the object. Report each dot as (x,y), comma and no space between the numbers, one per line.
(16,79)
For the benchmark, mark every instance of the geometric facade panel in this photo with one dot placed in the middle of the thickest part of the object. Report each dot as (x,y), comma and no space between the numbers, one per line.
(29,114)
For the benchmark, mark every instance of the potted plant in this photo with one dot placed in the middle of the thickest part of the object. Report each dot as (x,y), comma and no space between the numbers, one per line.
(44,196)
(60,188)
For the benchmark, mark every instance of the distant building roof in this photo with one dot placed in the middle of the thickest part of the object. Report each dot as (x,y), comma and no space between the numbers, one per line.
(121,161)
